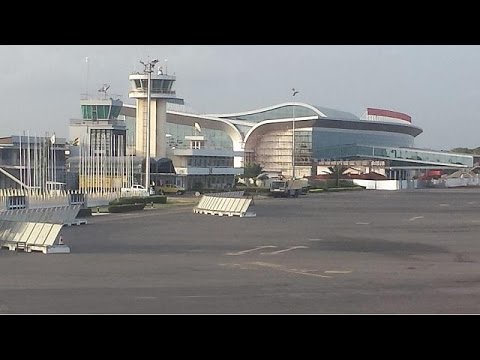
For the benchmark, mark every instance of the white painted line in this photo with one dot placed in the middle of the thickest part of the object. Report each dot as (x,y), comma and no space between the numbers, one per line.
(307,273)
(315,239)
(337,272)
(444,205)
(285,250)
(415,218)
(471,202)
(362,223)
(238,266)
(293,271)
(250,250)
(121,217)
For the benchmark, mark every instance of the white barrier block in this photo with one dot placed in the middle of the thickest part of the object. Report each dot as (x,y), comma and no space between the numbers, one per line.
(34,234)
(14,230)
(52,235)
(245,206)
(200,203)
(28,231)
(19,233)
(58,249)
(224,206)
(43,235)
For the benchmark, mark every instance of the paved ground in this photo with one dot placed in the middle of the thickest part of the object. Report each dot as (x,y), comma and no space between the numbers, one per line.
(358,252)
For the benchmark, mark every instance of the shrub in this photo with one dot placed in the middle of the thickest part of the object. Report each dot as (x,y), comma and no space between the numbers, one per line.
(256,190)
(156,199)
(350,188)
(125,208)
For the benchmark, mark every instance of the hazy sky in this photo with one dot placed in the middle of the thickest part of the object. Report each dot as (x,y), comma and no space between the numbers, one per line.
(438,86)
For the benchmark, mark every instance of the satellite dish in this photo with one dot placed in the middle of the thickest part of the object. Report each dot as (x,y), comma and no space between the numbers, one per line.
(197,194)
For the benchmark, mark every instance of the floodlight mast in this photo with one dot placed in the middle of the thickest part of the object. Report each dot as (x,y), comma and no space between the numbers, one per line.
(295,92)
(148,70)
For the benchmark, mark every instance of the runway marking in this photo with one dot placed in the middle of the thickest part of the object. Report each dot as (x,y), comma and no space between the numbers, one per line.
(471,202)
(284,269)
(415,218)
(315,239)
(444,205)
(362,223)
(121,217)
(249,250)
(285,250)
(337,272)
(238,266)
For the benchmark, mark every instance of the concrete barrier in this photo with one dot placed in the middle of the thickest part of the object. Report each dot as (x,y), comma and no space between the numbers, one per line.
(229,194)
(224,206)
(378,184)
(35,229)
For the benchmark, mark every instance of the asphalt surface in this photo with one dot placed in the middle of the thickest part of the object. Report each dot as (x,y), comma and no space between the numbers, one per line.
(362,252)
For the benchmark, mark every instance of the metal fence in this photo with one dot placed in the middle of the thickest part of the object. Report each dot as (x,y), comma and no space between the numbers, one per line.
(31,199)
(229,194)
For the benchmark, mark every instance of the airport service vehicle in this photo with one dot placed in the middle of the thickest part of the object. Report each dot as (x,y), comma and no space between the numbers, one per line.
(288,187)
(170,189)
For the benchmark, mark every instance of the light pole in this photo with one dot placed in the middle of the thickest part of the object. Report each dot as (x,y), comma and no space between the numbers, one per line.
(295,92)
(148,70)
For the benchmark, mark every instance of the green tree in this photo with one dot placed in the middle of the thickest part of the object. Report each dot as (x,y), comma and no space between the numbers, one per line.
(251,171)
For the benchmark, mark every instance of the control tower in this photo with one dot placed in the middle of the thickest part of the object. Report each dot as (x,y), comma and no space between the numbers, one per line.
(160,93)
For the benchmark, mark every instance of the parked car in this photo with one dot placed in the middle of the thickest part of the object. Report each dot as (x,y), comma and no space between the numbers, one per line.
(135,190)
(170,189)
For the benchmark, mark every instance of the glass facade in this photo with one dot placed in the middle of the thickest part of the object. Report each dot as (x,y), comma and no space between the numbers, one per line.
(323,137)
(410,156)
(303,147)
(209,161)
(158,85)
(100,112)
(215,139)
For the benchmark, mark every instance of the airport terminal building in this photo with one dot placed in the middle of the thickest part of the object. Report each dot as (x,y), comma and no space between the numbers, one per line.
(265,136)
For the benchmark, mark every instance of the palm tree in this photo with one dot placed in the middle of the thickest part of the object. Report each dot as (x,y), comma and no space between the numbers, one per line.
(337,171)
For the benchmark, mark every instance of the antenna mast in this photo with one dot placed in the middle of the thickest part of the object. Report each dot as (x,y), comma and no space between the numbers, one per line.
(86,90)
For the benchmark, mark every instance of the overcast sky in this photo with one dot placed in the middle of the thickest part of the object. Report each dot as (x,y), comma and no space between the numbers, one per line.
(438,86)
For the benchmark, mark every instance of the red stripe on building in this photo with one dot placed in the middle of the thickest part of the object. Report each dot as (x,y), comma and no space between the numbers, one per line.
(389,113)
